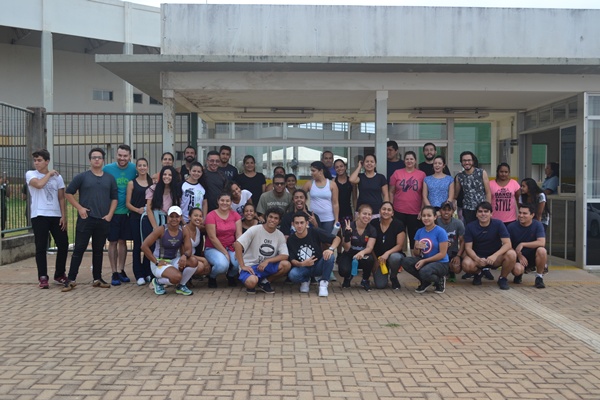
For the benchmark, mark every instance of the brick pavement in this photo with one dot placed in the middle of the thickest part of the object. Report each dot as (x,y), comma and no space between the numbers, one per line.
(469,343)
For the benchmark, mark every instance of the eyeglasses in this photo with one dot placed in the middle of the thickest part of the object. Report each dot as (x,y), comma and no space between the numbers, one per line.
(278,183)
(213,161)
(96,158)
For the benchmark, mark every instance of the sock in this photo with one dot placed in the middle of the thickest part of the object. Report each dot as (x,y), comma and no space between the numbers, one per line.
(539,275)
(264,281)
(164,281)
(187,273)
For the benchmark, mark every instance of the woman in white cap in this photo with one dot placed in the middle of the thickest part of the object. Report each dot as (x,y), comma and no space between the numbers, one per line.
(172,261)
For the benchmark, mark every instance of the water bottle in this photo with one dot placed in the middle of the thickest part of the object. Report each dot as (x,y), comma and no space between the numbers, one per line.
(354,267)
(383,267)
(336,229)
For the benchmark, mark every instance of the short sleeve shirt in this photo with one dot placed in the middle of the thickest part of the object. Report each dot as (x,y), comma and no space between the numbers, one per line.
(504,203)
(384,241)
(432,240)
(455,229)
(301,249)
(225,228)
(486,239)
(44,201)
(369,191)
(408,196)
(259,244)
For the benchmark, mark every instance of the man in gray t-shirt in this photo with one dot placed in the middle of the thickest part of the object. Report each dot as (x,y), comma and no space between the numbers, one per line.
(262,254)
(456,232)
(97,203)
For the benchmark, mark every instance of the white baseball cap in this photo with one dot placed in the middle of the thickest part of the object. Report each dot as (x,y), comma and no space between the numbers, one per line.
(174,209)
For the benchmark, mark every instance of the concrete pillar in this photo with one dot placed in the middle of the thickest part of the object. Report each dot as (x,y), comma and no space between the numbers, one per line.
(36,131)
(450,148)
(128,88)
(168,101)
(47,70)
(381,110)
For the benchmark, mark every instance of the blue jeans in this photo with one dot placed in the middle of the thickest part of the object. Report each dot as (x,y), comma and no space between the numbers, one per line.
(219,262)
(321,268)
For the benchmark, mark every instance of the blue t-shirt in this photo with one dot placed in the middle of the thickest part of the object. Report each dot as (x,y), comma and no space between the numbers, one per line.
(432,239)
(523,234)
(122,177)
(486,239)
(437,189)
(551,183)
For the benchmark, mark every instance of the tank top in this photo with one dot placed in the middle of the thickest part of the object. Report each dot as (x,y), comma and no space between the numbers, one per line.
(168,246)
(320,201)
(344,198)
(473,188)
(197,241)
(138,198)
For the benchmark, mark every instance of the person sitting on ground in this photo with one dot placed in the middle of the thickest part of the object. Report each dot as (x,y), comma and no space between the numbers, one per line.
(277,197)
(262,254)
(456,238)
(487,245)
(359,241)
(429,263)
(307,257)
(389,242)
(172,261)
(528,238)
(299,205)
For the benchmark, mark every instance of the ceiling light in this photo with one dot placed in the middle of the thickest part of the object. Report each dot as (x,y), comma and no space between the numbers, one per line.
(428,114)
(272,115)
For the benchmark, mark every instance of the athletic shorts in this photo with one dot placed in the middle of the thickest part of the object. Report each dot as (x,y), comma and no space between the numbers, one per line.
(158,271)
(119,229)
(271,269)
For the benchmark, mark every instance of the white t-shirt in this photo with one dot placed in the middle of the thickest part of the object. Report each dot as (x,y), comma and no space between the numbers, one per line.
(192,196)
(239,207)
(44,201)
(259,245)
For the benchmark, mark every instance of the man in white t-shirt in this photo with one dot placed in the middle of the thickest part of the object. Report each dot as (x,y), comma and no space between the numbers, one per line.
(262,254)
(48,216)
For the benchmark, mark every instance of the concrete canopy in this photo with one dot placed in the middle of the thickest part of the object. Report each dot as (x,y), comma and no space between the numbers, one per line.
(492,60)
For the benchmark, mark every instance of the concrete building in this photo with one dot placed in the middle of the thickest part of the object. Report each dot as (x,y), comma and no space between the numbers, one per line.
(514,85)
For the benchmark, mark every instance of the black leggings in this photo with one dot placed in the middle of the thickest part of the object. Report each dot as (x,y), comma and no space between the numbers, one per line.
(412,224)
(345,265)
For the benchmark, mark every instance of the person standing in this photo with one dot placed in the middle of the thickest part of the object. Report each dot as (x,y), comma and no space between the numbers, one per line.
(192,191)
(323,196)
(372,186)
(550,184)
(394,158)
(123,170)
(4,195)
(98,199)
(505,192)
(346,191)
(189,153)
(48,216)
(251,180)
(439,187)
(213,180)
(476,185)
(327,160)
(430,153)
(277,197)
(227,169)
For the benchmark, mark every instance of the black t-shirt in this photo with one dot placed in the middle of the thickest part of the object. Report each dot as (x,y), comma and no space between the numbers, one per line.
(230,172)
(359,242)
(387,240)
(369,191)
(214,183)
(254,185)
(344,199)
(392,166)
(428,169)
(309,246)
(287,221)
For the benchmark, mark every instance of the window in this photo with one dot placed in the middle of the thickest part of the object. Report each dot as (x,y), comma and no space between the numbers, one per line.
(154,101)
(137,98)
(103,95)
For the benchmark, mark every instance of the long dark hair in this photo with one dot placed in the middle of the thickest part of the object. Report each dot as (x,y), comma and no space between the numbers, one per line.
(148,177)
(159,190)
(319,166)
(532,195)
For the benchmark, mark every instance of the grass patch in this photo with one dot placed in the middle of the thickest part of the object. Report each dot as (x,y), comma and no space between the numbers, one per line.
(392,325)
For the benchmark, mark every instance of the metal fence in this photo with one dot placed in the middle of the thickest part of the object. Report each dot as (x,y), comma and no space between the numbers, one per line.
(14,123)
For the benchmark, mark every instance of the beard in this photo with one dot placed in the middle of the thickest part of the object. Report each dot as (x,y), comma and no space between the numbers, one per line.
(190,159)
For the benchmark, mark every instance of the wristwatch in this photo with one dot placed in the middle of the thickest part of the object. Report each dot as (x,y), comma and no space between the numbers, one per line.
(331,248)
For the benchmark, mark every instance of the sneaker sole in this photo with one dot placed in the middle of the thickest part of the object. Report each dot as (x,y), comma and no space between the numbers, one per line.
(183,293)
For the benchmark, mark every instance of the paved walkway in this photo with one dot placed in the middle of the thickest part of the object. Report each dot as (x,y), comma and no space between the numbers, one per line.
(469,343)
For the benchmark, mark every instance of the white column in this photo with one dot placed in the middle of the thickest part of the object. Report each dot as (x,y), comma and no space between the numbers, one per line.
(381,110)
(168,101)
(450,148)
(47,69)
(128,88)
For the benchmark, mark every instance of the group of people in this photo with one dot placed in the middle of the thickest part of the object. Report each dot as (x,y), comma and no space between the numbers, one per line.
(213,220)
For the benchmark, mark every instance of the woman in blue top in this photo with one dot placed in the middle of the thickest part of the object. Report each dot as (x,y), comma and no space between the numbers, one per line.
(429,263)
(438,188)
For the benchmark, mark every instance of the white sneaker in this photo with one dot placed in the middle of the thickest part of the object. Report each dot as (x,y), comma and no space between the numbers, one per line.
(323,291)
(305,287)
(141,282)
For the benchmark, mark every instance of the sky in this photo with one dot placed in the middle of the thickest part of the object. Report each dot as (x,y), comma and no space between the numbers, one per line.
(595,4)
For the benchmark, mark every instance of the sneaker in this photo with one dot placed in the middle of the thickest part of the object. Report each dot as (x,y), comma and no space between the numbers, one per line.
(61,280)
(266,287)
(148,279)
(518,279)
(539,282)
(477,279)
(346,283)
(182,289)
(332,277)
(44,283)
(116,279)
(467,276)
(212,283)
(305,287)
(366,285)
(503,283)
(546,269)
(141,282)
(69,285)
(231,281)
(395,283)
(100,283)
(487,274)
(441,286)
(451,277)
(250,291)
(158,287)
(422,287)
(123,277)
(323,289)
